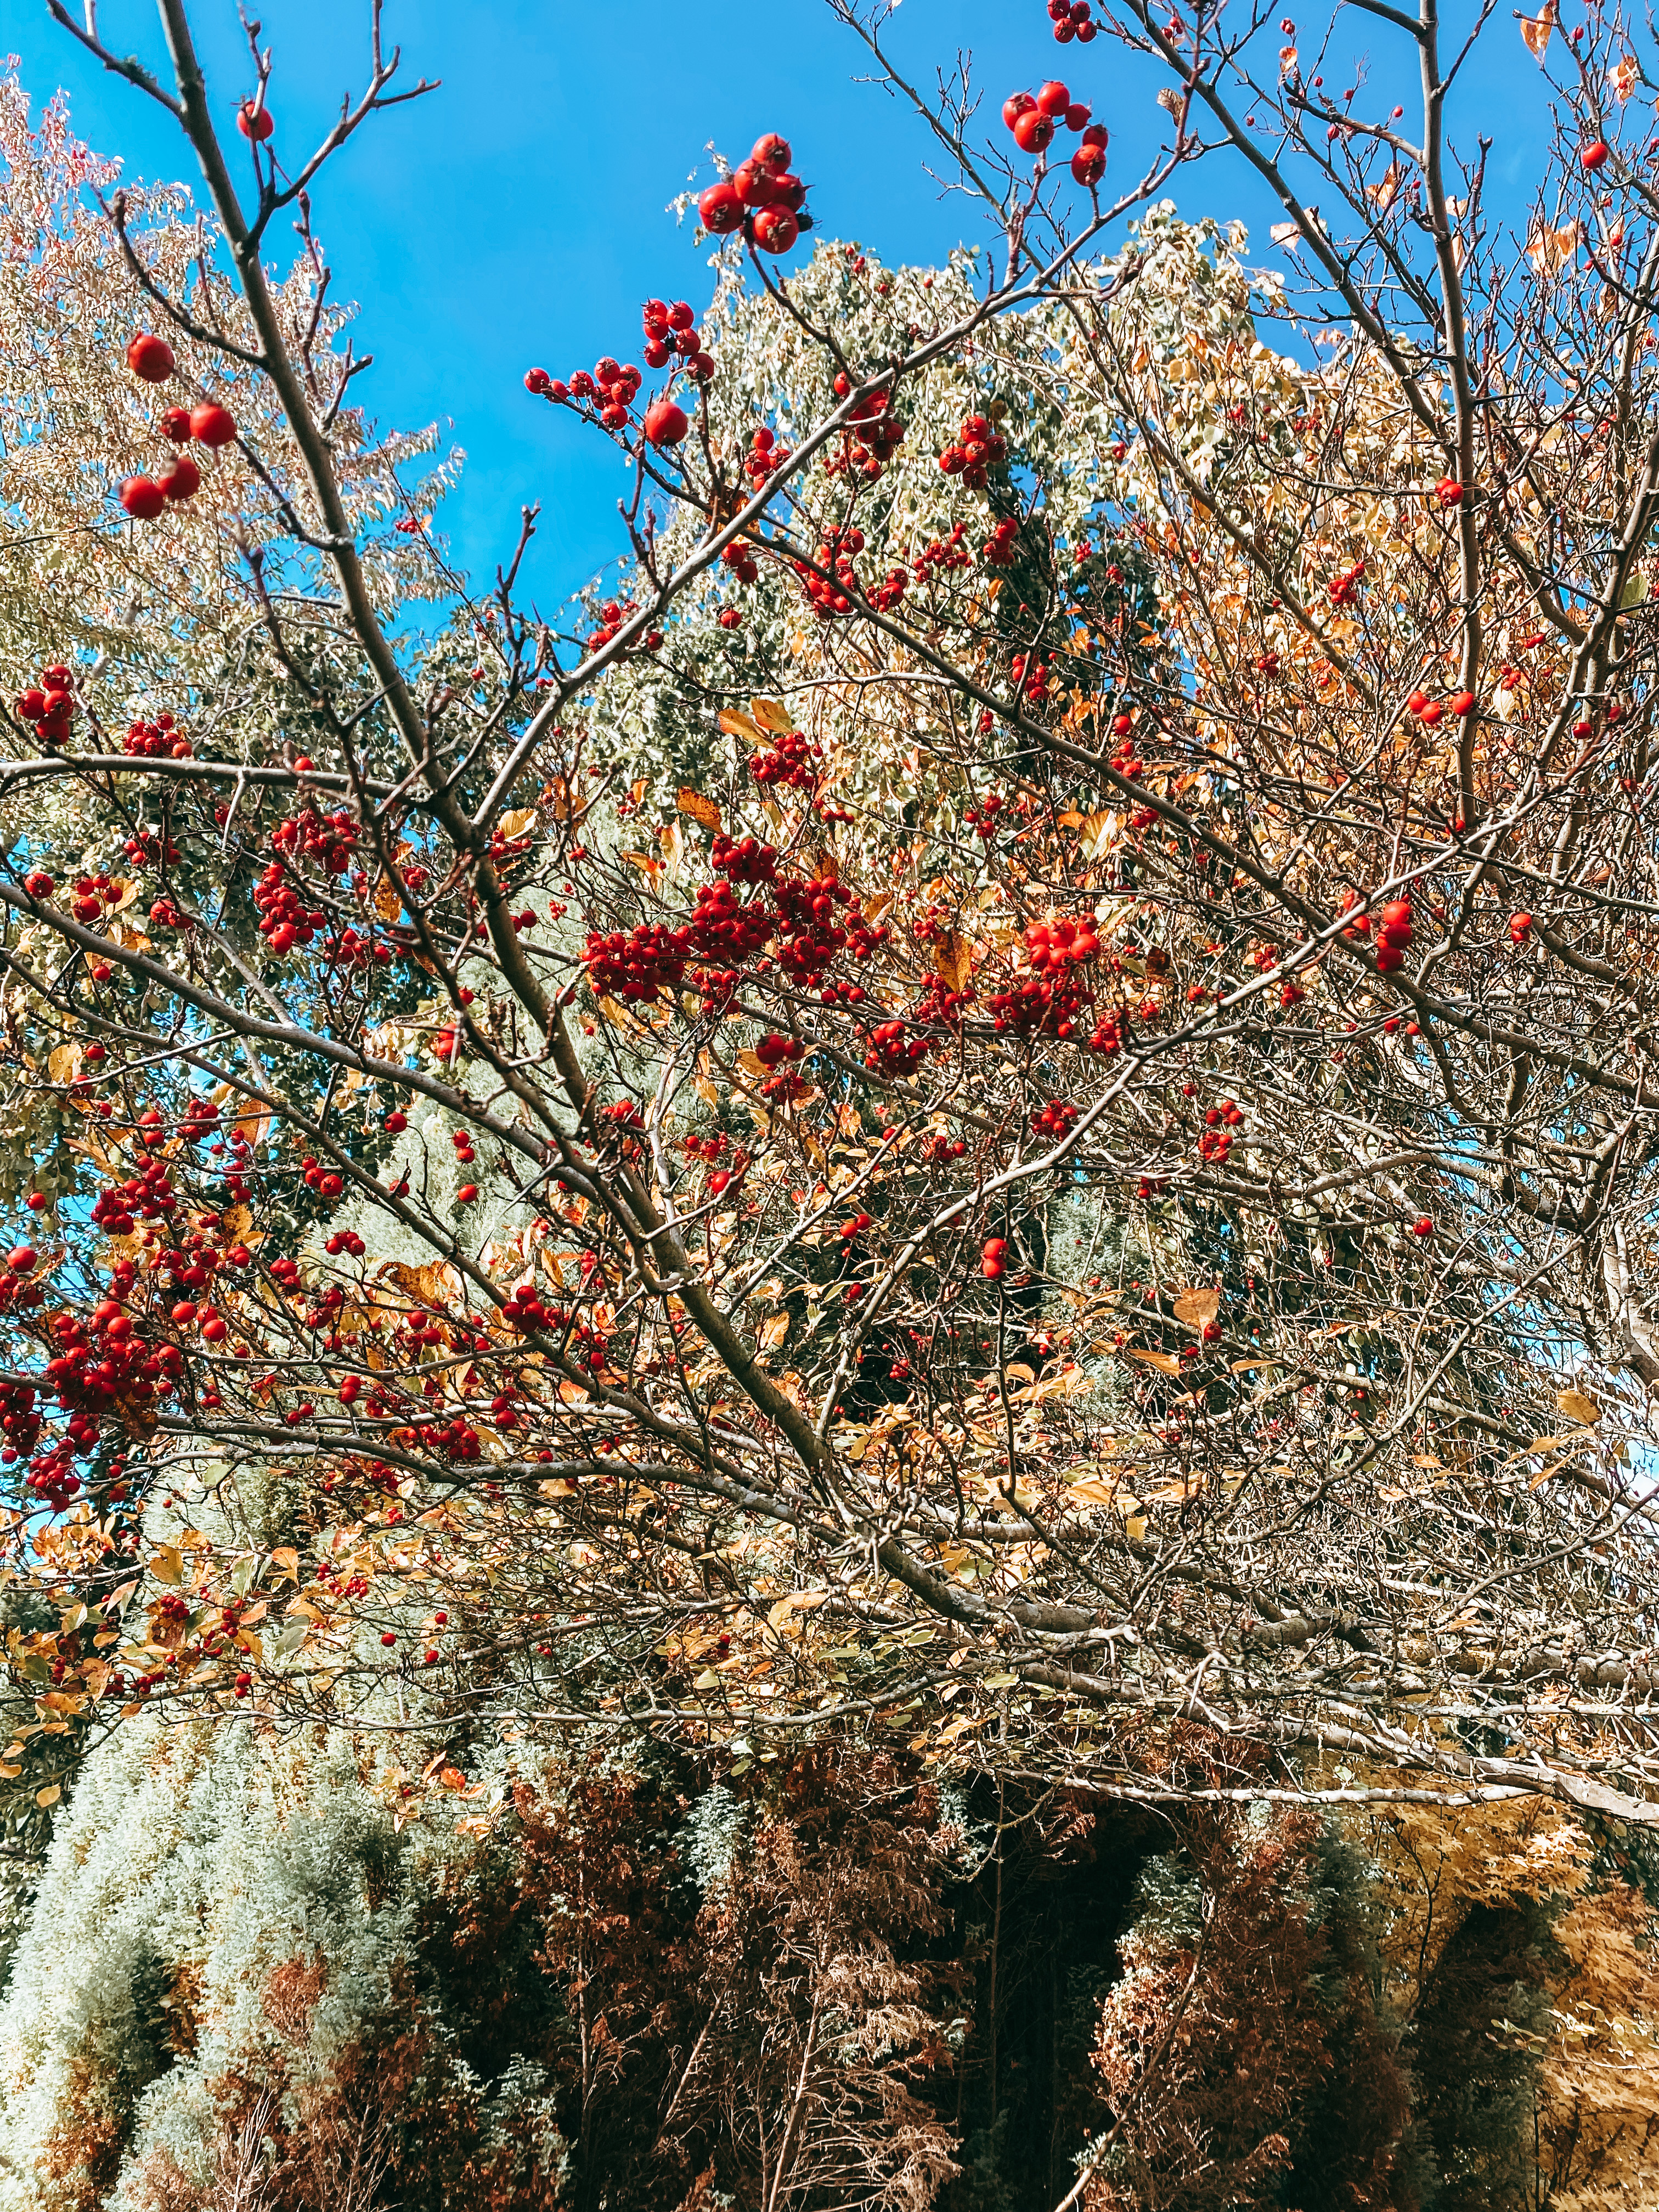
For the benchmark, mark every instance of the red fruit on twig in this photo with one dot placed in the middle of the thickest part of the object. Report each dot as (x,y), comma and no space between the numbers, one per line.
(1594,153)
(143,498)
(772,152)
(665,424)
(1016,105)
(175,425)
(1089,165)
(721,208)
(1034,130)
(776,230)
(182,478)
(212,425)
(150,357)
(1052,98)
(254,122)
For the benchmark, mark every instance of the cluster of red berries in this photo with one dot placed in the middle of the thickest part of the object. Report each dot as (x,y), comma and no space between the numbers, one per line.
(873,435)
(723,927)
(1394,934)
(1215,1141)
(775,1050)
(828,594)
(1033,675)
(789,763)
(609,392)
(1072,19)
(161,739)
(1002,545)
(1048,1001)
(144,497)
(1033,120)
(1055,1118)
(49,705)
(993,1254)
(941,554)
(739,558)
(765,457)
(20,1423)
(637,966)
(1344,588)
(1430,710)
(892,1050)
(761,198)
(976,448)
(673,330)
(747,860)
(330,842)
(284,919)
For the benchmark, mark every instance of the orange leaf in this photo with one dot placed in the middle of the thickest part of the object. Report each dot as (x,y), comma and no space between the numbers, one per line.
(1536,29)
(703,811)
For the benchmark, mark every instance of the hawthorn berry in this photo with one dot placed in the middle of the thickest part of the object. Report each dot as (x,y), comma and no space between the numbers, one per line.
(255,122)
(776,230)
(212,425)
(150,358)
(181,479)
(719,208)
(1034,132)
(1594,153)
(143,498)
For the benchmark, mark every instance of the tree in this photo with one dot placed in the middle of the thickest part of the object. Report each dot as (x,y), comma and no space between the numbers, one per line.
(1080,1205)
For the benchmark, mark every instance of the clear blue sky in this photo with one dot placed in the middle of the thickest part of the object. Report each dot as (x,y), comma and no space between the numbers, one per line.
(517,216)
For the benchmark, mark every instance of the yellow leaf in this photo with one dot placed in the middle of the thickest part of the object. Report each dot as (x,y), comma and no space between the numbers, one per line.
(64,1062)
(1135,1529)
(50,1795)
(1158,1359)
(1093,1491)
(1577,1407)
(1536,29)
(1196,1308)
(953,958)
(703,811)
(518,822)
(772,714)
(773,1332)
(735,725)
(166,1565)
(388,903)
(286,1559)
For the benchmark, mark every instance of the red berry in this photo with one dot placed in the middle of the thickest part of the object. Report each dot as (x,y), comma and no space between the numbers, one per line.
(1077,115)
(721,208)
(538,381)
(466,1193)
(396,1122)
(1052,98)
(1422,1226)
(1096,134)
(1033,130)
(665,424)
(37,1202)
(182,479)
(254,122)
(38,883)
(212,425)
(143,498)
(22,1259)
(1594,153)
(1089,165)
(150,357)
(772,152)
(1016,105)
(388,1638)
(1462,702)
(175,424)
(776,230)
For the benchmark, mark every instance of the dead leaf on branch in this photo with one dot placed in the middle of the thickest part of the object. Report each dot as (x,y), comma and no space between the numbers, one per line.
(1577,1407)
(773,715)
(1197,1308)
(1536,30)
(703,811)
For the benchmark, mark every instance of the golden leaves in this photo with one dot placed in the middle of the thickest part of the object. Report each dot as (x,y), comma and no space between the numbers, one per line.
(1536,30)
(1577,1407)
(703,811)
(772,714)
(1161,1360)
(953,959)
(1197,1308)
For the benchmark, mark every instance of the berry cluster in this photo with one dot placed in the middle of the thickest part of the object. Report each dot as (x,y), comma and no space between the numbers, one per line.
(1344,587)
(20,1424)
(330,842)
(829,593)
(672,331)
(762,198)
(941,554)
(1033,675)
(637,966)
(1394,934)
(161,739)
(873,435)
(284,919)
(746,862)
(892,1051)
(976,448)
(1050,999)
(789,763)
(765,457)
(722,926)
(209,424)
(1055,1120)
(1072,19)
(739,558)
(49,705)
(1002,545)
(1215,1140)
(1033,121)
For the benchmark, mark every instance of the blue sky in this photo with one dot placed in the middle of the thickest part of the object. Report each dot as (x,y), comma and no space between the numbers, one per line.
(517,216)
